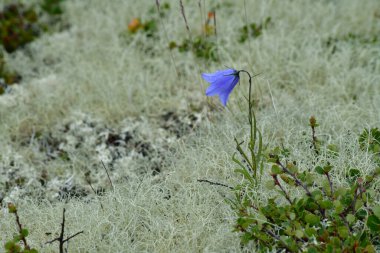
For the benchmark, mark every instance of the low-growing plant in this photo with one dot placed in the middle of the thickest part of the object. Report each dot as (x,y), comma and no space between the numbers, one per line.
(202,46)
(18,26)
(253,30)
(308,212)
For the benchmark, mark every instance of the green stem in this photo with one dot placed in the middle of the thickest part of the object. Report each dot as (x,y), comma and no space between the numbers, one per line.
(252,123)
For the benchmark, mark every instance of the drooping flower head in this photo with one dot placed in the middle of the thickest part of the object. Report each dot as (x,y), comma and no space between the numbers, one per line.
(222,83)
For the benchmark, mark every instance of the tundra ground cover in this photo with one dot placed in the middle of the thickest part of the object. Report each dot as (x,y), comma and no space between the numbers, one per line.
(135,100)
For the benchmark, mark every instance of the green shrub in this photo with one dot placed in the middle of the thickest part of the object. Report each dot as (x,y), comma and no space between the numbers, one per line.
(18,26)
(307,211)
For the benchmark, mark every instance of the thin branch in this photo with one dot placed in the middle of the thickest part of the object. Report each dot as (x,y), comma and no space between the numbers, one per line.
(184,17)
(276,182)
(214,183)
(108,175)
(68,238)
(276,237)
(330,183)
(87,178)
(216,35)
(61,239)
(298,182)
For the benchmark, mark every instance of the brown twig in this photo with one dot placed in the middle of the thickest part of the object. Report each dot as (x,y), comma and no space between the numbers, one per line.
(214,183)
(202,20)
(313,125)
(330,183)
(61,239)
(216,36)
(184,16)
(108,175)
(276,182)
(304,186)
(88,180)
(276,237)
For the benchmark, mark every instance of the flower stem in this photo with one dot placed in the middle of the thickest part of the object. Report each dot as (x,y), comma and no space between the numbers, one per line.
(253,130)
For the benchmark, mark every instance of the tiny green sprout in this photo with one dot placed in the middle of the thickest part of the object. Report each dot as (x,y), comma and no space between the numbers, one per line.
(12,208)
(313,121)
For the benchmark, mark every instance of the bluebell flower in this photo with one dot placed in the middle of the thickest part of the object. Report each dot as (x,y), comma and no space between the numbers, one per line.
(222,83)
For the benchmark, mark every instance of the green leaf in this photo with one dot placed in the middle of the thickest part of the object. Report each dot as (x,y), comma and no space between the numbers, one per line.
(327,168)
(299,233)
(309,178)
(359,203)
(269,185)
(369,249)
(350,218)
(343,232)
(310,232)
(287,179)
(312,219)
(276,169)
(338,206)
(246,174)
(24,232)
(376,211)
(312,250)
(352,175)
(292,168)
(319,170)
(326,204)
(9,245)
(361,214)
(373,223)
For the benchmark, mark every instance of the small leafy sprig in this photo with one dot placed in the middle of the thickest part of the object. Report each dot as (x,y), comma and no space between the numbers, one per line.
(15,245)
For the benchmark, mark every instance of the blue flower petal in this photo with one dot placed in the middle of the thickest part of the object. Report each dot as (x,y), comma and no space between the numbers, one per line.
(212,77)
(222,83)
(223,96)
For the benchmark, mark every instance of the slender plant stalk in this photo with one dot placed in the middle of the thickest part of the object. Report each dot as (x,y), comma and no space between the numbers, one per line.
(255,158)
